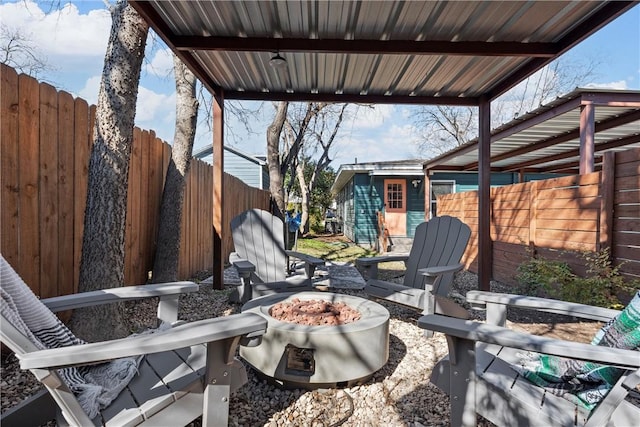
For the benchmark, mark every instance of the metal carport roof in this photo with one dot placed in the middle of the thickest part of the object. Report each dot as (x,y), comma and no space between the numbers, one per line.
(372,51)
(547,139)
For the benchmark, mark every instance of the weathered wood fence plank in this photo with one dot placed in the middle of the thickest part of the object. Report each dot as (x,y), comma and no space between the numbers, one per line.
(554,216)
(45,142)
(9,160)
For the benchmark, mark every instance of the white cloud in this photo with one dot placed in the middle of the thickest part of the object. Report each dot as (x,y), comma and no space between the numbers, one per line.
(392,143)
(369,117)
(90,90)
(620,84)
(153,106)
(63,32)
(161,65)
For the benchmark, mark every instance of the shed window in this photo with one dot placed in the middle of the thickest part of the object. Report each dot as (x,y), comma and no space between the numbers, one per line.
(438,188)
(395,195)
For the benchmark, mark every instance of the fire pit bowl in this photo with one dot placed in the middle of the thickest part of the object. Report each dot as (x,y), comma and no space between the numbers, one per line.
(296,355)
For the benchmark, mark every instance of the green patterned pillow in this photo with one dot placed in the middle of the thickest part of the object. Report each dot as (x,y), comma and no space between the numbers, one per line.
(586,383)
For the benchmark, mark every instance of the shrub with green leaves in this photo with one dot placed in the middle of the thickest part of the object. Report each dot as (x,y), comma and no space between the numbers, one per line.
(551,278)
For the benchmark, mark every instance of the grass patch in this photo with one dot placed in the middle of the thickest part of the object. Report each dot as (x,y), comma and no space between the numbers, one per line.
(340,249)
(333,249)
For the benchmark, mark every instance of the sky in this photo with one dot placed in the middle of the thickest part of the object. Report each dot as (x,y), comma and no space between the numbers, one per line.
(73,38)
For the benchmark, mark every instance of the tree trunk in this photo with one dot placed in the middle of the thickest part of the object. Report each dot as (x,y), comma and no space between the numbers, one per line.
(276,178)
(102,260)
(165,266)
(306,200)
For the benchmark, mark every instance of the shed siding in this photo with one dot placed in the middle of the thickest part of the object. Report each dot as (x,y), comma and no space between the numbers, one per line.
(415,206)
(368,200)
(247,171)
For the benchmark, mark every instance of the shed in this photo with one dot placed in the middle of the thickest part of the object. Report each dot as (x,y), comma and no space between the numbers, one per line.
(250,169)
(393,188)
(363,190)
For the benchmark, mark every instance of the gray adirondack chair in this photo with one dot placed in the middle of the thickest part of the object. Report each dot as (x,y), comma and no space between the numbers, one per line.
(187,371)
(438,246)
(479,379)
(261,259)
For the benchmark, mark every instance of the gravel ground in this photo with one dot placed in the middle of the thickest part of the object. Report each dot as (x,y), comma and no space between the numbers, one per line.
(399,394)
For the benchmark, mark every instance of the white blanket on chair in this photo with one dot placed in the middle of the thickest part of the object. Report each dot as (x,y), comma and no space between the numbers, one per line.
(95,386)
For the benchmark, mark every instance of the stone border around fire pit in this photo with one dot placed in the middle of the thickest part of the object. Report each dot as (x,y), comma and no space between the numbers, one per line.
(305,356)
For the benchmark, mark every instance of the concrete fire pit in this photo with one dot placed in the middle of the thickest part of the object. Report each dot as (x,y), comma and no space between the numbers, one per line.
(296,355)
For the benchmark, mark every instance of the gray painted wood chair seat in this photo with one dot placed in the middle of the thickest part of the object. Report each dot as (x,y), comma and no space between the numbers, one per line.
(187,371)
(438,246)
(261,259)
(479,378)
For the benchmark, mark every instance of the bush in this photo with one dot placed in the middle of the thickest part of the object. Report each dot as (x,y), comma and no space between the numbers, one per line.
(543,277)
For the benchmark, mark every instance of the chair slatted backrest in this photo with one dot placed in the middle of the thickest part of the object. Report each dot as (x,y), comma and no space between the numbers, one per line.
(440,241)
(258,236)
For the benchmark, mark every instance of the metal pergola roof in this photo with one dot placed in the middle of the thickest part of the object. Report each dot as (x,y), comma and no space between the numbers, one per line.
(422,52)
(547,140)
(397,52)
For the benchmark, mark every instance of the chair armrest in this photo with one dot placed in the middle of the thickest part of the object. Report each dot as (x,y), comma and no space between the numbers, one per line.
(438,271)
(305,258)
(364,262)
(244,267)
(185,335)
(125,293)
(480,299)
(491,334)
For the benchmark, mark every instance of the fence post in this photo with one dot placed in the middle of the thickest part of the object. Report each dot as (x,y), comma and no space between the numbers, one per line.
(607,180)
(533,213)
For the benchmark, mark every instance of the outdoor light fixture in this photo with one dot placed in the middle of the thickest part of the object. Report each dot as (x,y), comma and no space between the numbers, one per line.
(277,61)
(415,183)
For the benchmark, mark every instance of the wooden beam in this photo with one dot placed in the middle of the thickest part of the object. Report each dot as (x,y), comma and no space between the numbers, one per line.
(606,202)
(218,189)
(587,138)
(485,260)
(427,196)
(375,47)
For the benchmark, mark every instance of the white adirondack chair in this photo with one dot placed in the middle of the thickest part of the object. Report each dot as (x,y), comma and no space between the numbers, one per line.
(479,379)
(261,259)
(187,371)
(438,246)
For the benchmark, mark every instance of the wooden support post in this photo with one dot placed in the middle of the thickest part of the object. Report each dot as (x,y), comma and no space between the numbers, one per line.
(484,196)
(587,138)
(607,190)
(218,188)
(533,213)
(427,196)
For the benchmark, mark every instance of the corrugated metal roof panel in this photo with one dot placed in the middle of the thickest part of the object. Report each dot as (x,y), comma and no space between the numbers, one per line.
(563,129)
(376,74)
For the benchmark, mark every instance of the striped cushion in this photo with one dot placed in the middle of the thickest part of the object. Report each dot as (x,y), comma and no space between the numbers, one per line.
(95,386)
(586,383)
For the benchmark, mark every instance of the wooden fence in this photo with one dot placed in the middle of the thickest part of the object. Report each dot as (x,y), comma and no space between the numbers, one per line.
(45,142)
(559,217)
